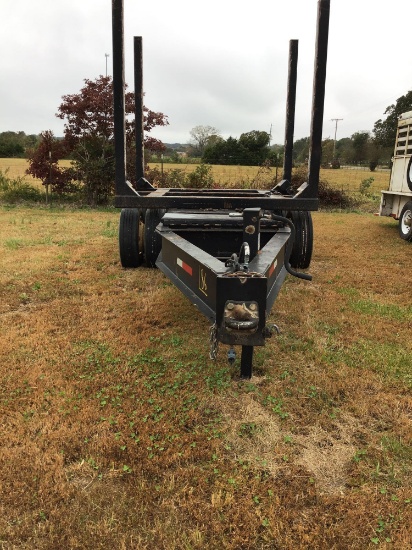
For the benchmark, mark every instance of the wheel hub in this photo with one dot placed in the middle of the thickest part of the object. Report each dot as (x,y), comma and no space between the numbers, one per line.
(407,221)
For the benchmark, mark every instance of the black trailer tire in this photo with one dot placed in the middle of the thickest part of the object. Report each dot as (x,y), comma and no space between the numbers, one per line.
(129,239)
(152,240)
(405,222)
(409,174)
(302,249)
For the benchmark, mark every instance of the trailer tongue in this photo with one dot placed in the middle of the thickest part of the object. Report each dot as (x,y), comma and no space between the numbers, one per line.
(227,250)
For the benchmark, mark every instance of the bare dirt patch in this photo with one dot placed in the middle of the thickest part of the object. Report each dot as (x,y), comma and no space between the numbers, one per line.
(327,455)
(252,433)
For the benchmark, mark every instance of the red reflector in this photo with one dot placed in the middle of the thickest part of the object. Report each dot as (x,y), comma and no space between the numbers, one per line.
(272,267)
(184,266)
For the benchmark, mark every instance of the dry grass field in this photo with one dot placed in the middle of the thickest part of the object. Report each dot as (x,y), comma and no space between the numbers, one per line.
(344,179)
(17,168)
(347,180)
(119,432)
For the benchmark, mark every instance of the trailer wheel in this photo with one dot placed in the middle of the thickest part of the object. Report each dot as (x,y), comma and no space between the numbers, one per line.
(405,222)
(301,254)
(130,246)
(152,240)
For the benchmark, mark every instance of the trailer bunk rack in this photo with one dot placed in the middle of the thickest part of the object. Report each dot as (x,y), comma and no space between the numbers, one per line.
(227,250)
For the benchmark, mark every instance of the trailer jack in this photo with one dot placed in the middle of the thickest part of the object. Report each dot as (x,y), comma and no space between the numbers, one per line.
(239,262)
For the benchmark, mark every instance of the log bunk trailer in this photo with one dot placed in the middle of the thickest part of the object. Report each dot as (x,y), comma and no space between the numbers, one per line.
(227,250)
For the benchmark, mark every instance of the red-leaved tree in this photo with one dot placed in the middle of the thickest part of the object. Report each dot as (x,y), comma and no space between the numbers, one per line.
(44,163)
(90,112)
(89,136)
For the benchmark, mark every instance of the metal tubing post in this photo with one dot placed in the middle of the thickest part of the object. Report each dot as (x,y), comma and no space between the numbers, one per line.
(318,100)
(290,109)
(251,230)
(118,98)
(138,99)
(246,362)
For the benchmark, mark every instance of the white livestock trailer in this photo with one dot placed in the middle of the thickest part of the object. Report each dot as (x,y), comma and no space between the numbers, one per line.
(397,200)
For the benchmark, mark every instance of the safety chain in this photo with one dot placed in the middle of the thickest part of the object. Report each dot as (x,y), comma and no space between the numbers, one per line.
(214,344)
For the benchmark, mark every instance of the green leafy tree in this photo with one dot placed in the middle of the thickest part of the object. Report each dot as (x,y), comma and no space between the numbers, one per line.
(10,148)
(254,147)
(328,147)
(251,149)
(360,142)
(15,144)
(384,131)
(301,150)
(222,152)
(344,150)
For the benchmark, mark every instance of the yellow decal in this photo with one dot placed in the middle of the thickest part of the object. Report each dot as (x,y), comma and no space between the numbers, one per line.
(202,281)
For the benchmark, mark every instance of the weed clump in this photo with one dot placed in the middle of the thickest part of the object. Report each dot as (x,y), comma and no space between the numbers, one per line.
(329,197)
(365,185)
(262,180)
(200,178)
(14,190)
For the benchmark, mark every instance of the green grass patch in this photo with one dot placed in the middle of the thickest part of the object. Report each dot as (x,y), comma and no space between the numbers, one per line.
(389,359)
(390,311)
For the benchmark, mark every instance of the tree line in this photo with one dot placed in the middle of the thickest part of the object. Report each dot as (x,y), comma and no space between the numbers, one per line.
(253,148)
(16,144)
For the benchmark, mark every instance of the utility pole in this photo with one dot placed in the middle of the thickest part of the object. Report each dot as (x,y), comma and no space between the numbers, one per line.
(106,55)
(335,120)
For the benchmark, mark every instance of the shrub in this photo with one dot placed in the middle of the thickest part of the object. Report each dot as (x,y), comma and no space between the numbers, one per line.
(364,187)
(264,177)
(328,196)
(333,198)
(169,178)
(200,178)
(17,189)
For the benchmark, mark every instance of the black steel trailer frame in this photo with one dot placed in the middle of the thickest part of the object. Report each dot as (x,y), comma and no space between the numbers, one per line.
(227,250)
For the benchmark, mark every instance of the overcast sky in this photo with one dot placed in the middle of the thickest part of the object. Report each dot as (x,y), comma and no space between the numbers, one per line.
(221,63)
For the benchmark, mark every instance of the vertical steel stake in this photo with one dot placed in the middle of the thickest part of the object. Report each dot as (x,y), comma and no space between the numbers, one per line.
(138,100)
(318,100)
(290,109)
(118,98)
